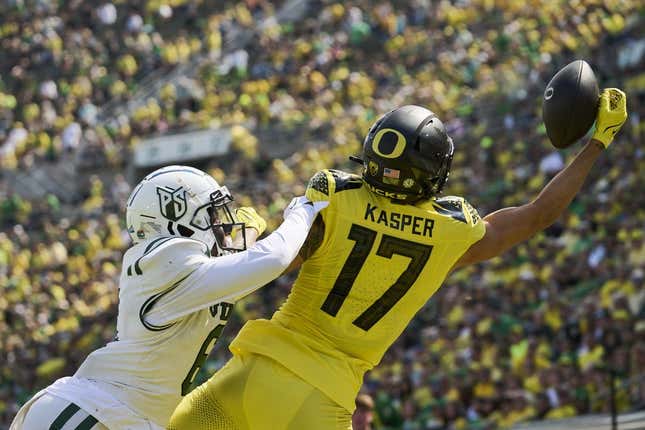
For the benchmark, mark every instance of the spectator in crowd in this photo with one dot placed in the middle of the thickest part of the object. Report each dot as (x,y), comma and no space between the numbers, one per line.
(363,416)
(513,340)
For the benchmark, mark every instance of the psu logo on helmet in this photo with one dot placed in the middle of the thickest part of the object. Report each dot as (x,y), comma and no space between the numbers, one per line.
(172,202)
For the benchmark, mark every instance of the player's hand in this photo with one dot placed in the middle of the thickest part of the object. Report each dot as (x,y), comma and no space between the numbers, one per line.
(612,114)
(251,219)
(297,202)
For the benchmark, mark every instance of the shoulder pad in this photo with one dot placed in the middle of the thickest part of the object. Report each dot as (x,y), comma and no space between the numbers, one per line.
(330,181)
(320,182)
(345,181)
(168,250)
(457,208)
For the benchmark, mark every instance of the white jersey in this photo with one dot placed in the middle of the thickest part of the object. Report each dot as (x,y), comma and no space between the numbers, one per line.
(174,300)
(153,360)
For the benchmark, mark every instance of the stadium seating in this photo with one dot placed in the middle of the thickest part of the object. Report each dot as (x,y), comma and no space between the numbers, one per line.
(519,338)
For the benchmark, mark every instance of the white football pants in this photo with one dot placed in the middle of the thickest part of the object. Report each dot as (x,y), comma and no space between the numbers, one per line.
(48,412)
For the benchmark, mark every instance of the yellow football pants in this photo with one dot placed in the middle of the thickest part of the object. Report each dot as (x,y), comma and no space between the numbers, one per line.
(253,392)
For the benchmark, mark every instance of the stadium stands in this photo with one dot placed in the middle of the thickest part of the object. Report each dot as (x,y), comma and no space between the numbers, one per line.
(529,336)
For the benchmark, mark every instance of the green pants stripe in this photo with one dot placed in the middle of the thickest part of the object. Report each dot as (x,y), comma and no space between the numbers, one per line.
(67,414)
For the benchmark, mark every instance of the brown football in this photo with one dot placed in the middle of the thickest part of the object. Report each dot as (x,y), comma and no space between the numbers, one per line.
(570,103)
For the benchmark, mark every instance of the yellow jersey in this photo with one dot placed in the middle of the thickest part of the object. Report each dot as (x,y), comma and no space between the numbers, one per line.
(377,264)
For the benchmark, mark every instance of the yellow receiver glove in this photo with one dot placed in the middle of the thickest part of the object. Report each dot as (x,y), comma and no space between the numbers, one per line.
(251,219)
(612,114)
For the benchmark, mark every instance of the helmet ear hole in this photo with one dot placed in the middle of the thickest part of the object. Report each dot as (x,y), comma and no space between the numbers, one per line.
(417,144)
(185,231)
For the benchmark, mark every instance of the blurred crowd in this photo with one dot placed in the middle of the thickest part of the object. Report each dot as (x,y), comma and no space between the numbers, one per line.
(63,62)
(532,335)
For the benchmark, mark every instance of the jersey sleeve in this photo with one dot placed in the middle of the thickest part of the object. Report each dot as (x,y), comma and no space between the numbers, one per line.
(233,276)
(165,266)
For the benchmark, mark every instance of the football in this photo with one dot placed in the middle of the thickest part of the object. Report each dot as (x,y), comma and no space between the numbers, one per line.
(570,103)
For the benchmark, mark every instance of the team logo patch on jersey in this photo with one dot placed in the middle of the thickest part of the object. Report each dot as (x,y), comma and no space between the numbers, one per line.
(452,208)
(172,202)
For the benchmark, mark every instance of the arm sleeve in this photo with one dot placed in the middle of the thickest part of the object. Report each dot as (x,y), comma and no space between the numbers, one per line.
(231,277)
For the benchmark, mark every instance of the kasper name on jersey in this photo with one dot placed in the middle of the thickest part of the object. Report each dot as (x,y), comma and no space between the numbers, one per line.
(413,224)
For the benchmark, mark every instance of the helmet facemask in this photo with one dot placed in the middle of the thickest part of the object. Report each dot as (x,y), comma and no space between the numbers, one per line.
(218,216)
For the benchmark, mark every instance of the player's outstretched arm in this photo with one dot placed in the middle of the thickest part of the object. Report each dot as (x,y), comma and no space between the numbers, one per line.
(507,227)
(234,276)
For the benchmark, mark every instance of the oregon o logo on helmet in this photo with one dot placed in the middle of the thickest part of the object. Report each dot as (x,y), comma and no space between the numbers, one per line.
(398,148)
(548,93)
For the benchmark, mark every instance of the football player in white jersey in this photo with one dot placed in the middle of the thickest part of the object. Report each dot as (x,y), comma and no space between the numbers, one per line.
(188,265)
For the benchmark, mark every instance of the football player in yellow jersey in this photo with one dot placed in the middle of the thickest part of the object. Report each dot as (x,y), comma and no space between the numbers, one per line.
(376,254)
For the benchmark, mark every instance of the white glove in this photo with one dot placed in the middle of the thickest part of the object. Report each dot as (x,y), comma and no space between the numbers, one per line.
(302,201)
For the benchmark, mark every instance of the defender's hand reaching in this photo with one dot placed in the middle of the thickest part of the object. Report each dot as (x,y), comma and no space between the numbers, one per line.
(297,202)
(251,219)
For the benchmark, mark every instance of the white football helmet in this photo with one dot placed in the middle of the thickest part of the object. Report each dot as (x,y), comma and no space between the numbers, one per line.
(184,201)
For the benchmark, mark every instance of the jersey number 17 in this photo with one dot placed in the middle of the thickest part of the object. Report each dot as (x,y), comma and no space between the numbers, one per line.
(364,241)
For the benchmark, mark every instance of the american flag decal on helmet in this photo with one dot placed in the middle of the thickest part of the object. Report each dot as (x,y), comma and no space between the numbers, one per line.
(391,173)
